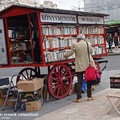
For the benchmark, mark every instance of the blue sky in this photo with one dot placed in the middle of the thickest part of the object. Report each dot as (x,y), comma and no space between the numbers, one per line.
(66,4)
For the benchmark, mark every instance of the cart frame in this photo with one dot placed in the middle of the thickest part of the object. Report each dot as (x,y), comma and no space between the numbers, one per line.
(61,73)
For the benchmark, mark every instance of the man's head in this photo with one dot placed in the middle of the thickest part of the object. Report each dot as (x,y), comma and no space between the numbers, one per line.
(80,37)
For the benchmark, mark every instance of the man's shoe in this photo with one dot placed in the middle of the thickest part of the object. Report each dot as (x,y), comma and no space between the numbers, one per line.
(77,100)
(90,98)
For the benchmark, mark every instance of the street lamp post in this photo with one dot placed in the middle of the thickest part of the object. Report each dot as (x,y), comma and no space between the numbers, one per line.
(80,5)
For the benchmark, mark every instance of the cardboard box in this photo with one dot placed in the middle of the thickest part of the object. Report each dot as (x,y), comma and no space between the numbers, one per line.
(9,103)
(2,101)
(33,106)
(30,85)
(2,94)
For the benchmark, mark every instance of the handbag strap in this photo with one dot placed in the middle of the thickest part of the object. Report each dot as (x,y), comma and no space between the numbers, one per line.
(88,52)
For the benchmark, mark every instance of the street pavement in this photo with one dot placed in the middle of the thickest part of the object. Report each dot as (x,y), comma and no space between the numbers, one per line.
(114,52)
(65,109)
(96,109)
(86,110)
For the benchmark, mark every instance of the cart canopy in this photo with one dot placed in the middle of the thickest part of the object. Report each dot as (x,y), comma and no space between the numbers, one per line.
(9,11)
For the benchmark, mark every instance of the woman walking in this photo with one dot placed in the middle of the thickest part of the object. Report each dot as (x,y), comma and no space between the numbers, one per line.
(116,41)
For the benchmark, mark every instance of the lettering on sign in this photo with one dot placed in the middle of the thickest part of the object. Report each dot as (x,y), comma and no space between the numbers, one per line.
(90,20)
(57,18)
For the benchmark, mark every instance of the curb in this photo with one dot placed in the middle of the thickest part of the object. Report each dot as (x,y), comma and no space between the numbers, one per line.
(112,54)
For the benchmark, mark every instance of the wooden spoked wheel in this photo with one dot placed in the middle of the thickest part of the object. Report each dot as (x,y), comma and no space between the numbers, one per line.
(59,81)
(26,74)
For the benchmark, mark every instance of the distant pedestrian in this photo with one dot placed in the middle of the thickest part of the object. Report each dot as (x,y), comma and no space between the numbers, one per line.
(116,41)
(110,42)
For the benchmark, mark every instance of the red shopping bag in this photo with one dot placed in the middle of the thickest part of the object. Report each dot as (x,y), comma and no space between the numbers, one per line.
(92,75)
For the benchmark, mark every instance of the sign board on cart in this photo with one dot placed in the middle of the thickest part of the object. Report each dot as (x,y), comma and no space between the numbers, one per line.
(57,18)
(90,20)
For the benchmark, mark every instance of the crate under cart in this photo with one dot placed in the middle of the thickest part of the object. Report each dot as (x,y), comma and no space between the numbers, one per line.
(115,81)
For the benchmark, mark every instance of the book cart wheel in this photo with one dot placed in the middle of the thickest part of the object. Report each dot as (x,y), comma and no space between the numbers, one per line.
(26,74)
(59,81)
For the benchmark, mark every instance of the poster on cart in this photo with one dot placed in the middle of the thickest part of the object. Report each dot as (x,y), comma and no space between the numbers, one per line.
(3,50)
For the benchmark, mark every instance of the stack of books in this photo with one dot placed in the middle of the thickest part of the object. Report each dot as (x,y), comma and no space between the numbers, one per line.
(91,29)
(56,56)
(49,43)
(58,30)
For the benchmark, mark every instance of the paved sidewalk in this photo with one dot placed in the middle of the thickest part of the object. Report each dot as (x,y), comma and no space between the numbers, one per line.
(86,110)
(114,52)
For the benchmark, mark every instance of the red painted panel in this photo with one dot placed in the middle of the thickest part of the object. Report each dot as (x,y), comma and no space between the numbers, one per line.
(16,11)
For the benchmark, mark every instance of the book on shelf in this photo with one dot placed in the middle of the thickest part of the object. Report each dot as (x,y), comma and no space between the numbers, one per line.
(56,31)
(50,56)
(101,40)
(60,55)
(28,58)
(72,40)
(54,43)
(18,46)
(64,42)
(91,29)
(46,43)
(54,56)
(21,57)
(43,30)
(61,42)
(23,46)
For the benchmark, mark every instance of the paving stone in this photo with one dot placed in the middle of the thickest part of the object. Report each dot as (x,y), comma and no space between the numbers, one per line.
(86,110)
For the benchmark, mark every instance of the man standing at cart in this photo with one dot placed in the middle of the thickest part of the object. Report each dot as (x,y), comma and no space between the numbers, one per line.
(81,63)
(36,46)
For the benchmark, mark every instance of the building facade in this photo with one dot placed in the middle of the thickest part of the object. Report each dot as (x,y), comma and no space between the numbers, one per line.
(111,7)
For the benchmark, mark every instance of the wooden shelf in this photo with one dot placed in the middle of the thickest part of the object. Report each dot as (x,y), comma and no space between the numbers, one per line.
(61,61)
(98,45)
(52,49)
(99,55)
(51,36)
(94,34)
(18,39)
(20,51)
(59,24)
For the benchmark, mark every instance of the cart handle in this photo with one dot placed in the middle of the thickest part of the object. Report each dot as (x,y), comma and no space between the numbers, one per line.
(103,61)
